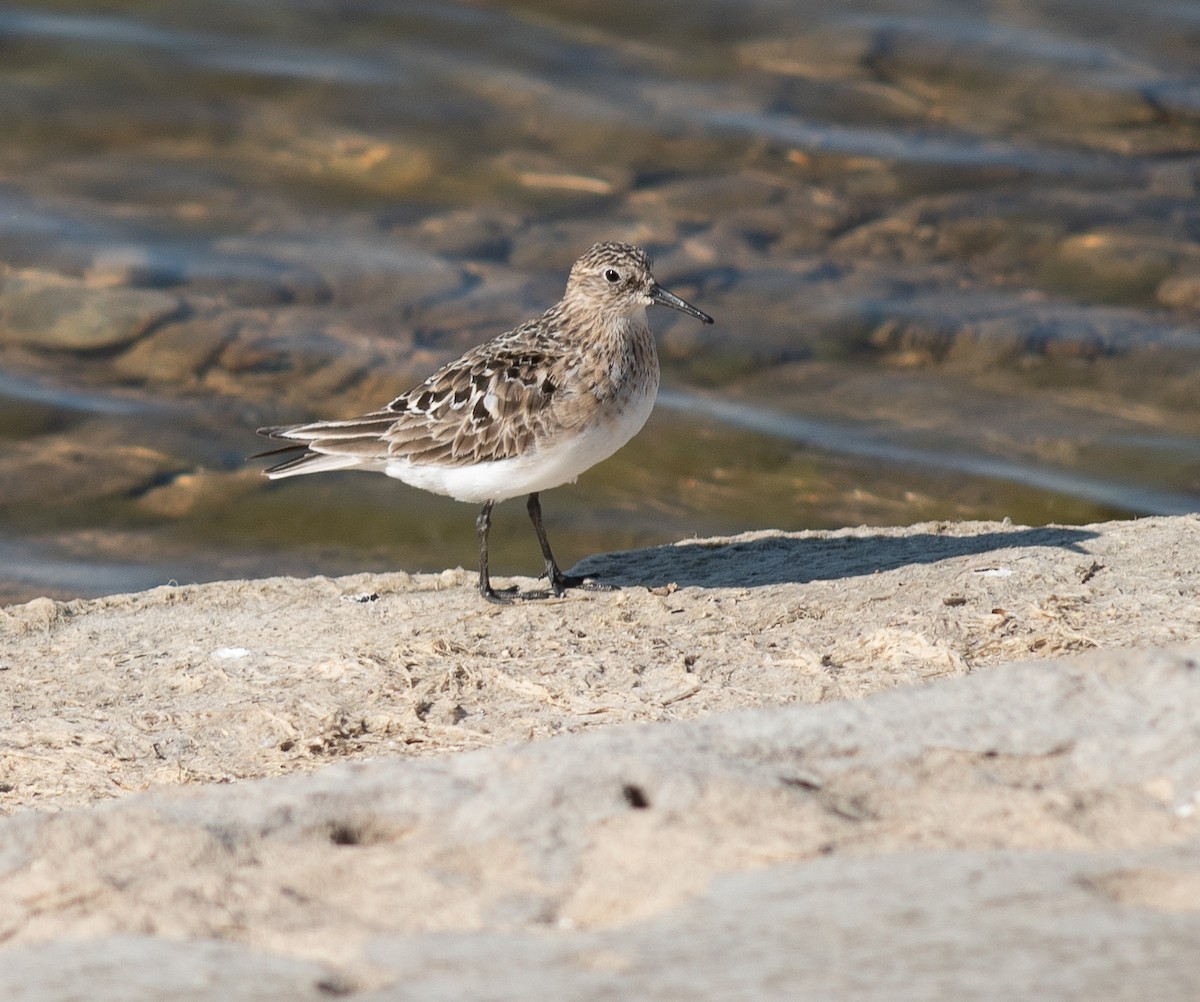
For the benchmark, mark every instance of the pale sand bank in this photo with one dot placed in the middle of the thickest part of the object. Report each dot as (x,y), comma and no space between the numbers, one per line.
(1028,830)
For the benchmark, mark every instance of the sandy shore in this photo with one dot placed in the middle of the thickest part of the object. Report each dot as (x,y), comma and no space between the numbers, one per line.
(378,786)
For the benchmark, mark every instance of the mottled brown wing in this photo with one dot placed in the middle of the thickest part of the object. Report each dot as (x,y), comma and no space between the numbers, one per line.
(493,403)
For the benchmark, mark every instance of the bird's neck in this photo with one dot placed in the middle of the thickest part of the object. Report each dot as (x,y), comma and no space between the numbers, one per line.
(618,345)
(615,330)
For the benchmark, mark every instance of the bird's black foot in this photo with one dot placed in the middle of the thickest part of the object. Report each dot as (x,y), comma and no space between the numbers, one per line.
(513,596)
(559,586)
(510,596)
(560,583)
(499,596)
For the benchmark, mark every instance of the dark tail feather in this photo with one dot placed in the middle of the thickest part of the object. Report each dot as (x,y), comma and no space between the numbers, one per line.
(292,463)
(276,430)
(298,447)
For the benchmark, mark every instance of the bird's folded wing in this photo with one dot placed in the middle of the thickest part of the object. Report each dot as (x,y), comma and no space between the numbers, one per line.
(485,406)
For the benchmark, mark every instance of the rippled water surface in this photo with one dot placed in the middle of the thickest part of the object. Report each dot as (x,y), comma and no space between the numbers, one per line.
(951,249)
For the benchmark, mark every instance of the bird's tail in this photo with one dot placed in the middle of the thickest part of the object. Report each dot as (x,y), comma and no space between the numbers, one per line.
(324,446)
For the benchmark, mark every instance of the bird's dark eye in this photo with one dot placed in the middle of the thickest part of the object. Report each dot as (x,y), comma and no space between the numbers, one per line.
(612,275)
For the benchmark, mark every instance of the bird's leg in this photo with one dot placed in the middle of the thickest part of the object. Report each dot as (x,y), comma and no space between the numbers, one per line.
(482,525)
(558,581)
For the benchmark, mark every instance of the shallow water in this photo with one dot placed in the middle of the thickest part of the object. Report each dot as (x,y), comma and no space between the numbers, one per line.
(951,252)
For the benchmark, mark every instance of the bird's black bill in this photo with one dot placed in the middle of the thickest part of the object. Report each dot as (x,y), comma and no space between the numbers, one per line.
(664,298)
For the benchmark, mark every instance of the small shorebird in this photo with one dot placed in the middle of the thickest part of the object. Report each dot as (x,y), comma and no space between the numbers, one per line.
(524,412)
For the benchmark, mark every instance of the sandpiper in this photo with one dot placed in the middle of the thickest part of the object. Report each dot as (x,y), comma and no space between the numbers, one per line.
(524,412)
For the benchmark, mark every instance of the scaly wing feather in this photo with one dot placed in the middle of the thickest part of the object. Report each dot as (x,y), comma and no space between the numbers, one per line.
(495,402)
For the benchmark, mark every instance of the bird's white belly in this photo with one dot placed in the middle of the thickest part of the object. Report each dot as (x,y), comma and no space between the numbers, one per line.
(557,462)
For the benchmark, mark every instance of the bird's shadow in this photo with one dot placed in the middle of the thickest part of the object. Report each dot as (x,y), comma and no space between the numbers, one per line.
(778,558)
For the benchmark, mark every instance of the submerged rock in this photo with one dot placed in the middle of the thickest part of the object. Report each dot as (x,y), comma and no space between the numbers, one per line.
(46,310)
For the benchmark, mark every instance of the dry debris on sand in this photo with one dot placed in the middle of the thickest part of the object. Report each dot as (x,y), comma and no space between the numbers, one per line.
(998,825)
